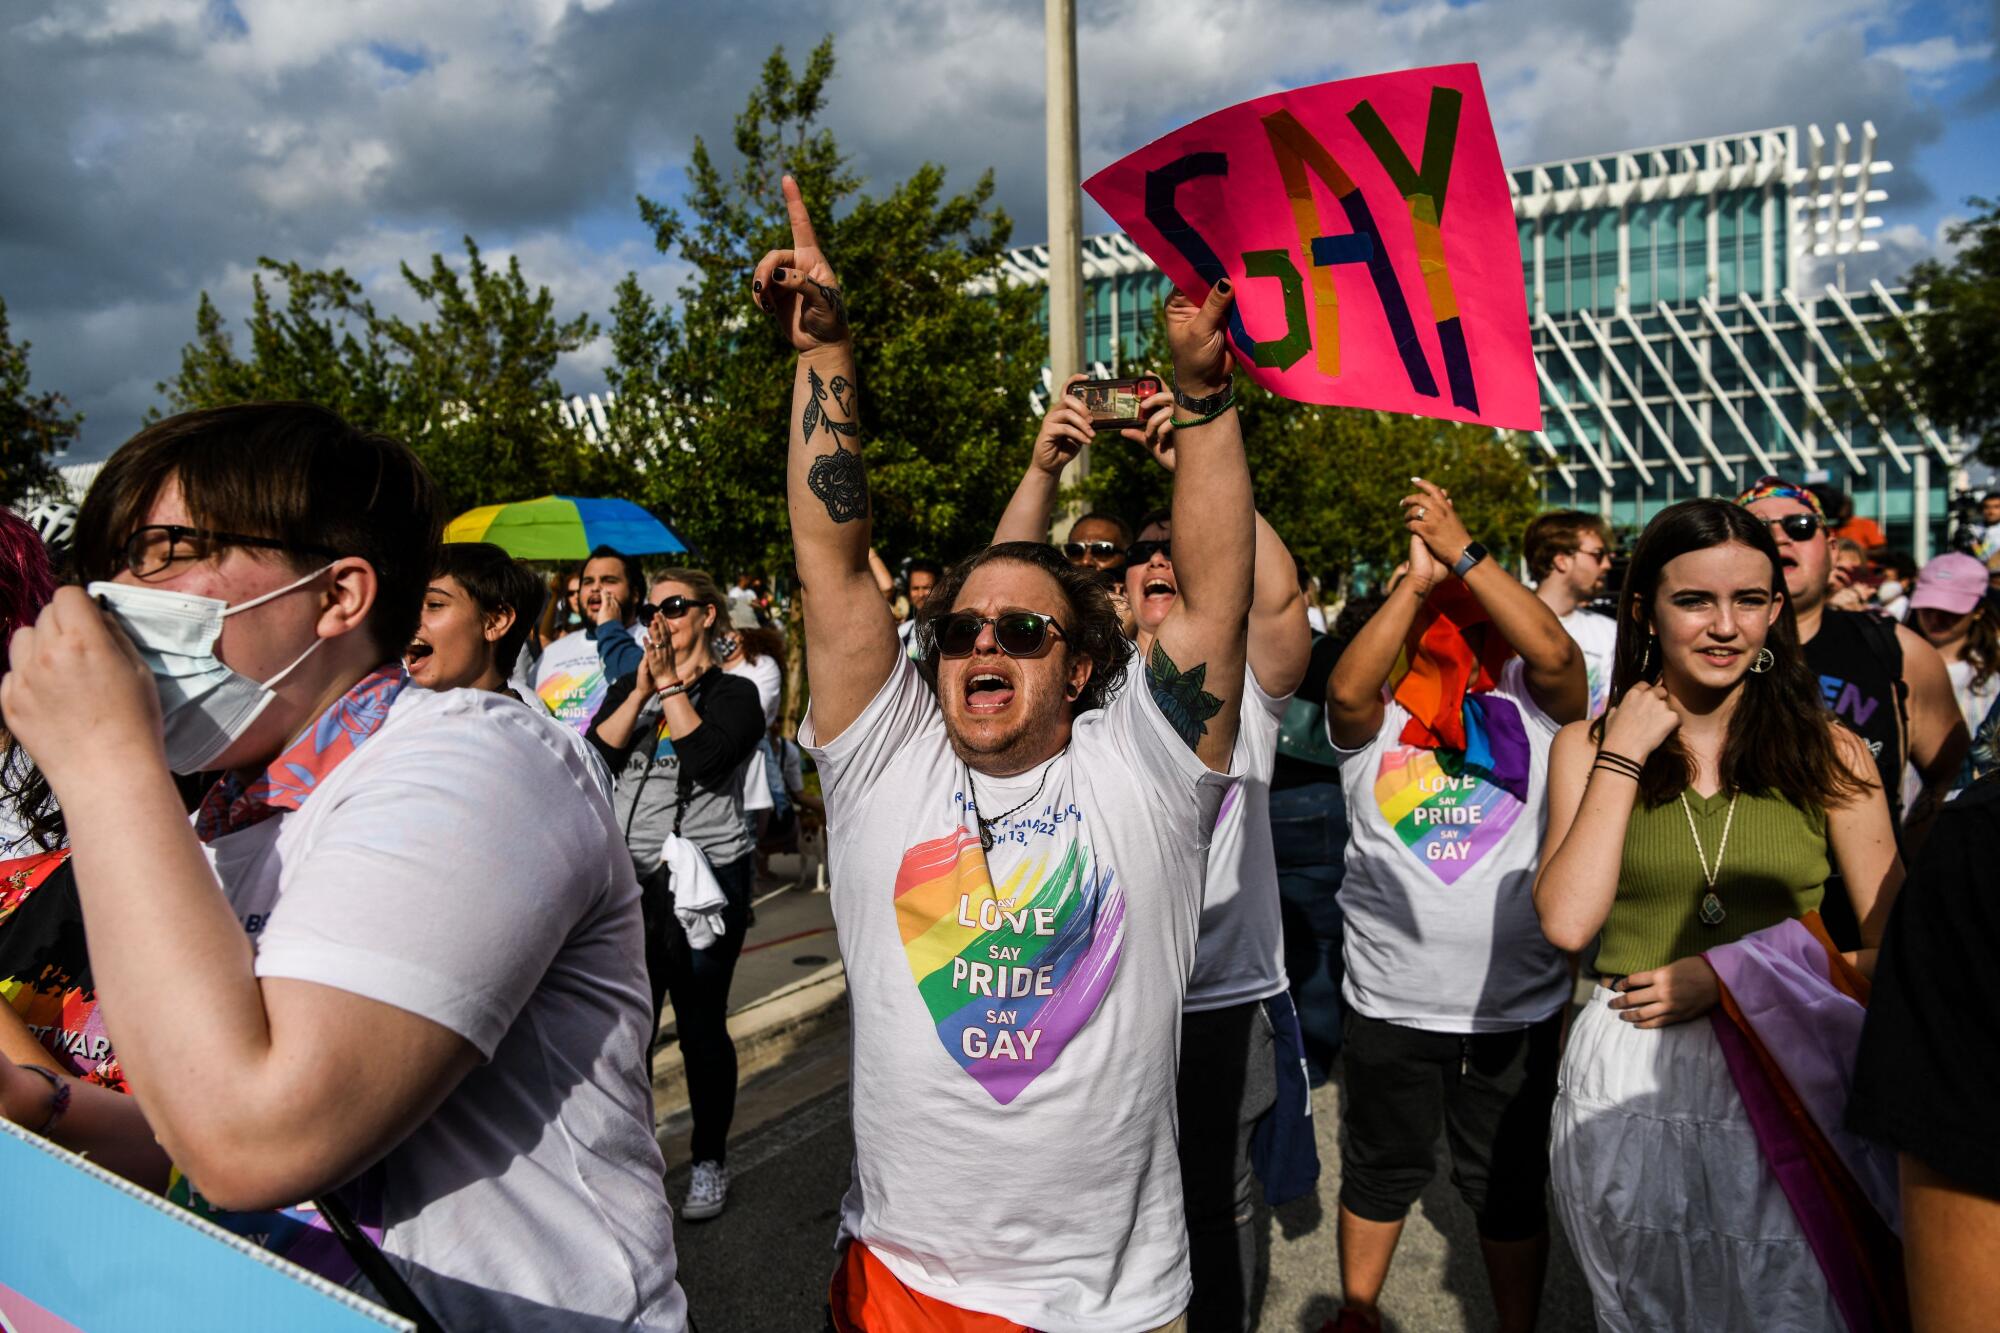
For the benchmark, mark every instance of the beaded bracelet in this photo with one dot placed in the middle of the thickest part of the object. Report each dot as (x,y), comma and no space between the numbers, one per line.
(58,1100)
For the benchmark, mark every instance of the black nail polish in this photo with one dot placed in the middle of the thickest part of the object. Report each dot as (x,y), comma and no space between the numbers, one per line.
(1223,286)
(777,275)
(757,286)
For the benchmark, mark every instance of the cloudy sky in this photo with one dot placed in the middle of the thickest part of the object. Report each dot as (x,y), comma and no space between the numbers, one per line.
(152,149)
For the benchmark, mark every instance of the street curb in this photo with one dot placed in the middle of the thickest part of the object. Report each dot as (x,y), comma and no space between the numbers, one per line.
(766,1031)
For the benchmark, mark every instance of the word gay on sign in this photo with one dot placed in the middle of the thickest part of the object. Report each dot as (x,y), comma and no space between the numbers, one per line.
(1367,229)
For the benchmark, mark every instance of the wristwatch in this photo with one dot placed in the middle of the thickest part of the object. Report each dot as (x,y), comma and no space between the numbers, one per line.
(1474,553)
(1202,407)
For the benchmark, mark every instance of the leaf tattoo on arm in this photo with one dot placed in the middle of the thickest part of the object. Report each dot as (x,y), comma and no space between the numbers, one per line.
(836,478)
(1182,700)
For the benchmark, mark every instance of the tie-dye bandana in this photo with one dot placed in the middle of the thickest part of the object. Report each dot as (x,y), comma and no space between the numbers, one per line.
(1767,488)
(232,804)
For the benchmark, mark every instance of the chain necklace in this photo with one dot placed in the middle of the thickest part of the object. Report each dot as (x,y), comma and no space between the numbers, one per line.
(986,825)
(1711,906)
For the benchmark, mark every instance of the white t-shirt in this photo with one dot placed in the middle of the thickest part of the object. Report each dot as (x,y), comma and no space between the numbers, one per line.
(570,678)
(1975,704)
(1240,957)
(463,865)
(1014,1080)
(1441,929)
(1597,636)
(769,678)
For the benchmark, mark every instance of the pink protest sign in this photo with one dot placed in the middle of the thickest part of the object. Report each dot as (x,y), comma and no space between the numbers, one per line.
(1367,229)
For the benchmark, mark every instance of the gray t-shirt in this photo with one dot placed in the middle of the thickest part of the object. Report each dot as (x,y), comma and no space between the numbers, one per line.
(463,866)
(1442,932)
(650,787)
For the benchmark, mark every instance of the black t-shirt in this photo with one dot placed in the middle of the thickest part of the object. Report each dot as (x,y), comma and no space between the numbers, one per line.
(1859,663)
(1927,1079)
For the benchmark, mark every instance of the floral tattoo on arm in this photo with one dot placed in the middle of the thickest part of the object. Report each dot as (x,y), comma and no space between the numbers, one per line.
(836,478)
(1182,700)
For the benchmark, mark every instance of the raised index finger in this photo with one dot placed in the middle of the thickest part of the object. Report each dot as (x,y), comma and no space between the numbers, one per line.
(803,237)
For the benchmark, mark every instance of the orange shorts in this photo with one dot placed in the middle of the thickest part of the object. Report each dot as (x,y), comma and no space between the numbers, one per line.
(865,1297)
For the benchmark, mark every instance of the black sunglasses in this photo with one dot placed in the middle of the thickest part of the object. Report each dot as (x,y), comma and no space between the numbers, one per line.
(1796,526)
(1138,553)
(1077,552)
(676,606)
(1019,633)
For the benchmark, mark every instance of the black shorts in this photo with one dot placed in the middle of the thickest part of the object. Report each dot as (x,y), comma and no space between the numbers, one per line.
(1491,1093)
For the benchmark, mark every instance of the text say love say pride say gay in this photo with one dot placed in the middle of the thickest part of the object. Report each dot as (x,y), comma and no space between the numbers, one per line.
(1367,228)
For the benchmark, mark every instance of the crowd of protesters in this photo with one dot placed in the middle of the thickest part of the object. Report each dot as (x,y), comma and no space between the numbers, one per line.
(1128,852)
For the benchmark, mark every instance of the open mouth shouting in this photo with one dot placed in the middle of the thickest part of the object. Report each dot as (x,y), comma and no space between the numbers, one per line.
(1158,589)
(417,655)
(987,692)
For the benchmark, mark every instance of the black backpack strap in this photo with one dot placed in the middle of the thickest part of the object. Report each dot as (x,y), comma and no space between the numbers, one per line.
(375,1266)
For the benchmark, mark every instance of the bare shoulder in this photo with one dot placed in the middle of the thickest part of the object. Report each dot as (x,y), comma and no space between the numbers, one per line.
(1854,754)
(1574,738)
(1917,650)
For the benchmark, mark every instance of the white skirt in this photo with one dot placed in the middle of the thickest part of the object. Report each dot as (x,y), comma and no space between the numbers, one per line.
(1673,1214)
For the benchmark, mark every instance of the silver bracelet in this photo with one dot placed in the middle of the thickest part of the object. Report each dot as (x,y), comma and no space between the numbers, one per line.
(672,690)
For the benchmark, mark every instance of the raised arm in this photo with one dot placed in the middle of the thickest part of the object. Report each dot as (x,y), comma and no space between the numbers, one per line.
(1066,428)
(1354,690)
(1552,664)
(850,635)
(1280,640)
(1195,669)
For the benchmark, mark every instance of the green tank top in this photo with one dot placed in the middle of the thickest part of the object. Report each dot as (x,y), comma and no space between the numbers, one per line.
(1774,868)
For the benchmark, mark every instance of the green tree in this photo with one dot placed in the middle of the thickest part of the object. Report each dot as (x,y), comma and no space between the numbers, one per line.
(1946,354)
(1329,478)
(33,426)
(705,391)
(471,387)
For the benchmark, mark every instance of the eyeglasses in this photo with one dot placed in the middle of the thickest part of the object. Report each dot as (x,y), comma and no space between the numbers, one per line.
(1077,552)
(1138,553)
(1019,633)
(1798,527)
(1600,554)
(152,549)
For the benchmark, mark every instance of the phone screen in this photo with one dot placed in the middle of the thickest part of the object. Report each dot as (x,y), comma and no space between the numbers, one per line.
(1113,404)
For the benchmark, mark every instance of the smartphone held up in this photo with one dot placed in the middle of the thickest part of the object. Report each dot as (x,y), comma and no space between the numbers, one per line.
(1114,404)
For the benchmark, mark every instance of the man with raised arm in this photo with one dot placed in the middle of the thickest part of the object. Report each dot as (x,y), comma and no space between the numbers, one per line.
(1239,1039)
(1017,848)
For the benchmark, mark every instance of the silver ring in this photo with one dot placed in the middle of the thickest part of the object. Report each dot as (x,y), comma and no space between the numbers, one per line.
(1419,511)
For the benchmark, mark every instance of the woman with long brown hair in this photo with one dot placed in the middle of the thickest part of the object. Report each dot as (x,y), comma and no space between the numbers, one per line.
(1713,800)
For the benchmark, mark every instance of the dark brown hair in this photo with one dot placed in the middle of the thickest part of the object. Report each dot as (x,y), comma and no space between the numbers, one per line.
(1780,737)
(1559,532)
(293,472)
(493,579)
(1089,624)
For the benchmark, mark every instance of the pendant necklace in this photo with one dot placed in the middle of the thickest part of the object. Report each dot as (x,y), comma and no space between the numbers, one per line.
(1711,906)
(986,825)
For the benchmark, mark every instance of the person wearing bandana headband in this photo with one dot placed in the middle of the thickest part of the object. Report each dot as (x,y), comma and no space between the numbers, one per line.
(258,572)
(1442,710)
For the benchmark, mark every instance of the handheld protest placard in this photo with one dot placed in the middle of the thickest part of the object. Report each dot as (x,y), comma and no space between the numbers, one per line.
(1367,227)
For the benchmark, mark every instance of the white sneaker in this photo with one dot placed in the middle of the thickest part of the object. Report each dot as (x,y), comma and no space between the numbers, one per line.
(708,1190)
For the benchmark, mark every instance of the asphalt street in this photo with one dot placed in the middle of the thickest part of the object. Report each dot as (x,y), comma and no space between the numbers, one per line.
(762,1266)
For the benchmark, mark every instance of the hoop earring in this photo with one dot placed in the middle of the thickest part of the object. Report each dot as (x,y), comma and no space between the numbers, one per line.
(1764,661)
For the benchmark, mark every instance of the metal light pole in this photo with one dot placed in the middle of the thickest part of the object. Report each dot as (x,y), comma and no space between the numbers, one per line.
(1065,208)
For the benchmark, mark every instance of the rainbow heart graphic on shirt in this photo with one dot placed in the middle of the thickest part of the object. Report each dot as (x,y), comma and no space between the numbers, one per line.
(1011,975)
(1448,823)
(573,696)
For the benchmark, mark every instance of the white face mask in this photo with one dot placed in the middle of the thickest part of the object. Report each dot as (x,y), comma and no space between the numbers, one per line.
(1891,590)
(205,706)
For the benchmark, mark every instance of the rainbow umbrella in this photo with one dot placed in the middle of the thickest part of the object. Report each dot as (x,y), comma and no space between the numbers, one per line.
(564,527)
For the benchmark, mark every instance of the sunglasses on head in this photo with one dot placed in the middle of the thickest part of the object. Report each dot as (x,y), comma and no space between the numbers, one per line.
(1076,552)
(1138,553)
(1019,633)
(1796,526)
